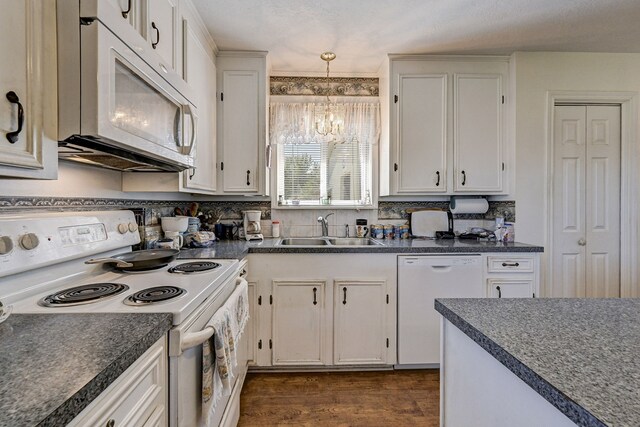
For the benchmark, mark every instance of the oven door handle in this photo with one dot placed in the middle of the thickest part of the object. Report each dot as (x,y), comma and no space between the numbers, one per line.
(193,339)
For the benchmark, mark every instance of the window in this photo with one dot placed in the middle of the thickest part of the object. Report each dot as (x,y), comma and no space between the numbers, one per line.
(312,172)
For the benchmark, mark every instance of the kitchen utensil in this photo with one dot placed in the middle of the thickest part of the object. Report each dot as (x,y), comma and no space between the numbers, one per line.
(139,260)
(165,244)
(178,212)
(193,209)
(425,222)
(174,223)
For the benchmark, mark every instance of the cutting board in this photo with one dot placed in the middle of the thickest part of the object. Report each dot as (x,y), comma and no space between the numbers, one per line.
(425,223)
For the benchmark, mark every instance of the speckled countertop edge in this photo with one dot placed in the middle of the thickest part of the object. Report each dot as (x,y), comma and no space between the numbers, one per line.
(562,402)
(79,401)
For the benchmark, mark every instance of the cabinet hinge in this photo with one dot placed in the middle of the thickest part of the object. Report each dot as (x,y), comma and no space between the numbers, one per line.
(221,166)
(503,99)
(502,165)
(387,298)
(395,99)
(270,344)
(270,299)
(259,299)
(259,344)
(222,97)
(387,342)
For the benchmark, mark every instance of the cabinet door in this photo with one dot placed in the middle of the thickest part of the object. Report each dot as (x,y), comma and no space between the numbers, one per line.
(422,134)
(509,288)
(360,323)
(28,114)
(199,72)
(161,29)
(478,134)
(240,131)
(298,322)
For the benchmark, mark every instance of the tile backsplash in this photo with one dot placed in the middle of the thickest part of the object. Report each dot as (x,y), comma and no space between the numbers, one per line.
(297,223)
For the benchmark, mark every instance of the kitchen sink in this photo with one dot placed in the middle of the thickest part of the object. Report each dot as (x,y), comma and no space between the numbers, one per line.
(353,241)
(328,241)
(300,241)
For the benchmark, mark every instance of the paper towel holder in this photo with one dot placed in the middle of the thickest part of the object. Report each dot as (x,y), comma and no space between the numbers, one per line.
(468,205)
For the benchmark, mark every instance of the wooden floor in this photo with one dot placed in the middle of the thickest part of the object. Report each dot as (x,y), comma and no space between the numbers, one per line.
(396,398)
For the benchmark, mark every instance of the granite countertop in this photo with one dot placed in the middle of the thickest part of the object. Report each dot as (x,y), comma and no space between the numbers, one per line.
(54,365)
(238,249)
(581,355)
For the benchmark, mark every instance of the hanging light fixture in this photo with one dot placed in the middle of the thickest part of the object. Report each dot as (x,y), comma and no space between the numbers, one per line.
(329,117)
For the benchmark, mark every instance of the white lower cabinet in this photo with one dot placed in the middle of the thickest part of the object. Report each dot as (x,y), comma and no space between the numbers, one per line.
(359,320)
(298,322)
(137,398)
(305,318)
(512,275)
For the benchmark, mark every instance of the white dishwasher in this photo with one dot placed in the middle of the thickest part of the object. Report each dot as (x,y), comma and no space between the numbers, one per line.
(422,279)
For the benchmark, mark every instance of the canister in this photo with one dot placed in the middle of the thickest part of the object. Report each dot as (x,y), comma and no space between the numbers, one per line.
(403,232)
(388,231)
(376,231)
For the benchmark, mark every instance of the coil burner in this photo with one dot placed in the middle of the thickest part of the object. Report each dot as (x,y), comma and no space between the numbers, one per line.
(84,294)
(154,295)
(194,267)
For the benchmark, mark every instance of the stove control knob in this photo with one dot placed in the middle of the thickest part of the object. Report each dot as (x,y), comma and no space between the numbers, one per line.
(29,241)
(123,228)
(133,227)
(6,245)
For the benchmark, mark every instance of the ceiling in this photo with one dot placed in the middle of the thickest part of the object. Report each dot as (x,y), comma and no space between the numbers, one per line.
(362,32)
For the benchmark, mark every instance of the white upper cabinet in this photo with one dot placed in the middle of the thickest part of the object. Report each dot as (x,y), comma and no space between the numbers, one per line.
(28,96)
(477,134)
(162,16)
(447,125)
(242,111)
(422,128)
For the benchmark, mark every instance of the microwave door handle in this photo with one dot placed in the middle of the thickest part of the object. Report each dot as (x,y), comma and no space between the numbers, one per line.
(194,130)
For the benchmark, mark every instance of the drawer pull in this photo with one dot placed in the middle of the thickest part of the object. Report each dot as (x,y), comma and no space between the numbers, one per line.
(511,264)
(111,423)
(499,291)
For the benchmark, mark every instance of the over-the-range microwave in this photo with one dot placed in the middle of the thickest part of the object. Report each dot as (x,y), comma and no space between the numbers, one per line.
(119,105)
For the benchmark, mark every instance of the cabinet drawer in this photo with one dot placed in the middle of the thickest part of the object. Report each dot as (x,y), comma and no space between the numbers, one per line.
(510,264)
(509,288)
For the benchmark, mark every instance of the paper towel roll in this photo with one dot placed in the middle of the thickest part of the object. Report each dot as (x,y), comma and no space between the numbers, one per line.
(469,206)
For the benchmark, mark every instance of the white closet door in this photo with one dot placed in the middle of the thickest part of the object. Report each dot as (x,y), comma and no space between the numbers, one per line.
(603,202)
(586,202)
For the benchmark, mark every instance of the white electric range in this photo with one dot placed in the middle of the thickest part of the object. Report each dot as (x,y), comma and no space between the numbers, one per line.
(43,270)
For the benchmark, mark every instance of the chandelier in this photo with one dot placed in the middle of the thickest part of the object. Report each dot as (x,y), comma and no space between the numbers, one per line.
(329,117)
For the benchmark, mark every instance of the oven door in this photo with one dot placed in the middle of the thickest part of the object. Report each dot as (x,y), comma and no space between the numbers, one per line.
(126,103)
(185,364)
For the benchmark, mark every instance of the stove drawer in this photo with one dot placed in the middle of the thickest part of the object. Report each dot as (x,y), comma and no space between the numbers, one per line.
(137,398)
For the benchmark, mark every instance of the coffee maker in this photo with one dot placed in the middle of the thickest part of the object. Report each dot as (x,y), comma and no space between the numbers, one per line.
(252,225)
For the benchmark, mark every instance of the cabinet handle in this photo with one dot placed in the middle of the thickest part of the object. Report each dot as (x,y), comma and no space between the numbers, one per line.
(499,291)
(315,300)
(12,137)
(344,300)
(248,177)
(395,167)
(438,180)
(193,172)
(125,13)
(464,178)
(510,264)
(111,423)
(153,45)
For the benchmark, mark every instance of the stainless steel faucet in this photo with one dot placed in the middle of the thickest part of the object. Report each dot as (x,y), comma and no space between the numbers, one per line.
(325,224)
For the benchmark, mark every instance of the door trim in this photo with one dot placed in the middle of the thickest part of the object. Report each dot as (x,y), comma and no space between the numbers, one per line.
(628,102)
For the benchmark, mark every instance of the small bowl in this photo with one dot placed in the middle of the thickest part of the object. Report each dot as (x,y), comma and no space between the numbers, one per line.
(174,223)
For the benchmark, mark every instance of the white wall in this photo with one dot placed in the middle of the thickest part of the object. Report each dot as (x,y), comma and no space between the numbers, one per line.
(535,75)
(75,180)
